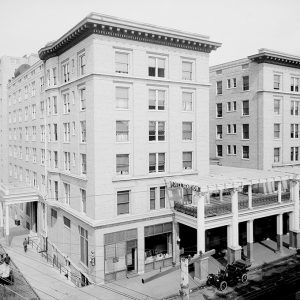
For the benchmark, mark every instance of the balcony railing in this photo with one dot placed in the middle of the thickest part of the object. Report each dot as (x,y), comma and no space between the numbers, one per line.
(225,208)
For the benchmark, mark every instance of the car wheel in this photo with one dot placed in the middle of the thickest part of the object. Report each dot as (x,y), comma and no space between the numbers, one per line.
(244,278)
(223,285)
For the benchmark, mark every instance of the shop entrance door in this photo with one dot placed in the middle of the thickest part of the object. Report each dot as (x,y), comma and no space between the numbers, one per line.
(131,256)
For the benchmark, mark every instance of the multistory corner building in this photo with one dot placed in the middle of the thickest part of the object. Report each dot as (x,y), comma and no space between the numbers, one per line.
(8,66)
(254,111)
(111,110)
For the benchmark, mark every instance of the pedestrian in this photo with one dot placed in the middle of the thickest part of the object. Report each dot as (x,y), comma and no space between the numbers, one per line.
(25,243)
(7,259)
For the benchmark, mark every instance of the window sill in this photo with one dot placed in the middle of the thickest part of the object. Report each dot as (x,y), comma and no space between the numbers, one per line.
(231,154)
(233,133)
(245,158)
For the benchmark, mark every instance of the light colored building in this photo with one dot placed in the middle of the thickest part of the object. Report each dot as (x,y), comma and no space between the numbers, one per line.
(8,67)
(112,110)
(254,111)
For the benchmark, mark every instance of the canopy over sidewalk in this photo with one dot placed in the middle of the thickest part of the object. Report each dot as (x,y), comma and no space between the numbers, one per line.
(221,177)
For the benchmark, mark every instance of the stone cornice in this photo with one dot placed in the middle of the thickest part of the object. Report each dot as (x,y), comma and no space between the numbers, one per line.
(114,27)
(276,58)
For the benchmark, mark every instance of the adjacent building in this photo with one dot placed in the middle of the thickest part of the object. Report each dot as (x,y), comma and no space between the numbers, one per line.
(254,111)
(111,110)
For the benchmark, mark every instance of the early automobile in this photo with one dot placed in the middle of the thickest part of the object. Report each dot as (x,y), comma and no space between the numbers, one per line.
(231,275)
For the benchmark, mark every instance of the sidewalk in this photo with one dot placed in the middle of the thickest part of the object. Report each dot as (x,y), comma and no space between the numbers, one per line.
(46,281)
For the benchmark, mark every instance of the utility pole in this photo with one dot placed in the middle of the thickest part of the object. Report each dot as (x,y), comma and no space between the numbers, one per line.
(184,283)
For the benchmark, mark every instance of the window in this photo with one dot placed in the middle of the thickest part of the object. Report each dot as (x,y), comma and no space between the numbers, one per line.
(83,200)
(83,131)
(43,157)
(187,163)
(66,103)
(42,133)
(49,132)
(42,82)
(81,63)
(219,110)
(67,222)
(162,197)
(295,105)
(219,150)
(245,66)
(277,106)
(229,149)
(187,131)
(56,190)
(121,62)
(122,97)
(187,196)
(33,133)
(54,76)
(55,159)
(66,132)
(26,154)
(157,99)
(245,108)
(122,164)
(55,132)
(53,216)
(228,106)
(48,106)
(295,84)
(83,163)
(54,105)
(67,193)
(229,128)
(156,162)
(84,246)
(187,70)
(156,131)
(245,83)
(276,131)
(82,94)
(276,155)
(66,72)
(228,83)
(294,153)
(219,88)
(234,106)
(245,131)
(187,101)
(67,161)
(277,82)
(231,83)
(123,202)
(294,131)
(33,89)
(219,130)
(245,154)
(73,128)
(152,198)
(156,67)
(42,106)
(122,131)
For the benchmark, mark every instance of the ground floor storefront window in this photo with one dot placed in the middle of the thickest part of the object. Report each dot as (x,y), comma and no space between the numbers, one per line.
(120,254)
(158,246)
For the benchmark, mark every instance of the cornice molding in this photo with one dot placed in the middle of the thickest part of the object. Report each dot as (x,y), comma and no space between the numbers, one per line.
(89,26)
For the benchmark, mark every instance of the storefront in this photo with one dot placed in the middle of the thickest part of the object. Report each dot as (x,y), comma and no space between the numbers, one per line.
(158,246)
(120,254)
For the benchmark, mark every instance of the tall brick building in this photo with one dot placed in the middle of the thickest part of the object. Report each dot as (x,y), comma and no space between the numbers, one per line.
(110,111)
(254,111)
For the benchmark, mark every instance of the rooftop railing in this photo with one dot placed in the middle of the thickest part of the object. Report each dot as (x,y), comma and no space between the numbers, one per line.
(223,208)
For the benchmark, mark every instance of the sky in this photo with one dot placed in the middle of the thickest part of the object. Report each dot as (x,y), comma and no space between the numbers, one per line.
(242,26)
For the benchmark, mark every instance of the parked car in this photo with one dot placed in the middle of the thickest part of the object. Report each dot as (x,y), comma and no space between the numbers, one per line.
(231,275)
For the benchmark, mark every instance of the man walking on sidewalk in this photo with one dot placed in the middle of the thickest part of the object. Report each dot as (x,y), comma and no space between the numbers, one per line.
(25,243)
